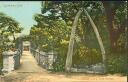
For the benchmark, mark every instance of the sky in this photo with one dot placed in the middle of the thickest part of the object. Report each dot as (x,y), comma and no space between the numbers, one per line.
(22,11)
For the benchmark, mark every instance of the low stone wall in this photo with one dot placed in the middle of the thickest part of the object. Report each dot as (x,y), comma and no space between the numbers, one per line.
(44,59)
(97,68)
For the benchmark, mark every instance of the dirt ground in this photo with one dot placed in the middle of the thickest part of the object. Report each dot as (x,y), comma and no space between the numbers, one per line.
(29,71)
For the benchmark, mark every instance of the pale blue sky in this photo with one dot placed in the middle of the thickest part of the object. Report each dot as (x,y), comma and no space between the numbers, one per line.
(22,11)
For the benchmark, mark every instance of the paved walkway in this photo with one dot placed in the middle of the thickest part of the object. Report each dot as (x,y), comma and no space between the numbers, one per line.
(29,71)
(29,64)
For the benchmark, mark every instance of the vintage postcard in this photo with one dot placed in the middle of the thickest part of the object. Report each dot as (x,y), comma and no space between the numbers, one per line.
(63,41)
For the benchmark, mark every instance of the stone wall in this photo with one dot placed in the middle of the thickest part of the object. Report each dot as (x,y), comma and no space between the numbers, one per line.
(97,68)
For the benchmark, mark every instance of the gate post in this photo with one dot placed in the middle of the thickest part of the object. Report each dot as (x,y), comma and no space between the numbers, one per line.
(51,59)
(8,61)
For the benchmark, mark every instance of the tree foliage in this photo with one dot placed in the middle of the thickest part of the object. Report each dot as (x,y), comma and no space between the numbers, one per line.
(53,29)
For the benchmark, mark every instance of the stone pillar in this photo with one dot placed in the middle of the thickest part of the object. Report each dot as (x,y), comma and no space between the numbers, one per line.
(8,61)
(17,59)
(51,59)
(43,59)
(37,55)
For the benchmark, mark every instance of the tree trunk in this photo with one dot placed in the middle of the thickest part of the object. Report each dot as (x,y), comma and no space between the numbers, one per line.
(110,12)
(126,33)
(114,34)
(98,38)
(71,43)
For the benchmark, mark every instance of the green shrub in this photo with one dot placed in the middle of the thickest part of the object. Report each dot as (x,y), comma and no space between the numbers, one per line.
(59,65)
(86,56)
(117,63)
(82,56)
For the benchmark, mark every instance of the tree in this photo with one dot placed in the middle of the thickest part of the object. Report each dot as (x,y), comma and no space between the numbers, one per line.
(8,27)
(56,23)
(64,11)
(115,29)
(8,24)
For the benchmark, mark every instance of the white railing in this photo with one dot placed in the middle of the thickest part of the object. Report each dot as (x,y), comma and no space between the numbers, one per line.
(44,59)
